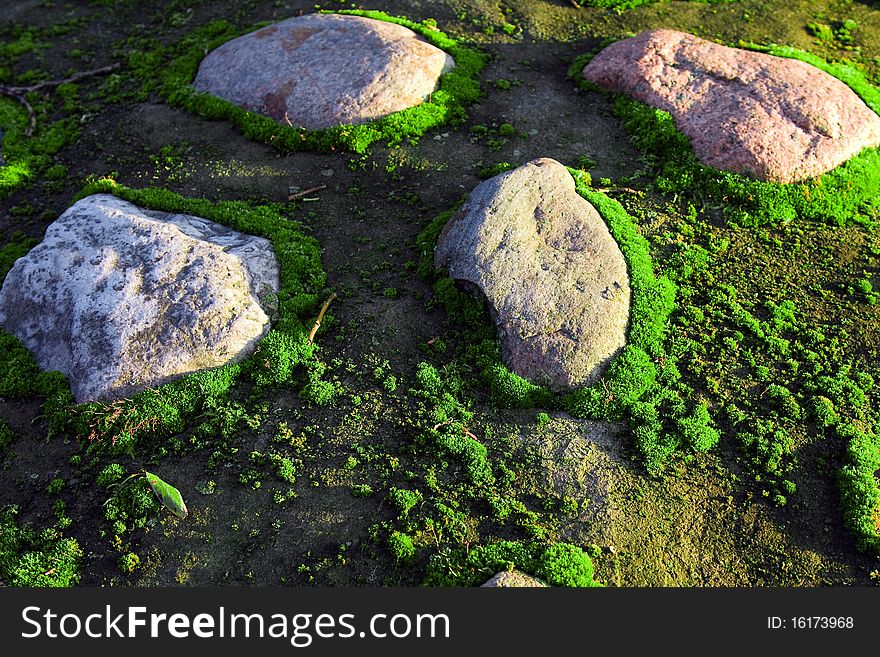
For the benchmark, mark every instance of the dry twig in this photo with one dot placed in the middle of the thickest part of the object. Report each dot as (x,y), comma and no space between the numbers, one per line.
(19,93)
(470,435)
(320,317)
(606,388)
(293,197)
(614,190)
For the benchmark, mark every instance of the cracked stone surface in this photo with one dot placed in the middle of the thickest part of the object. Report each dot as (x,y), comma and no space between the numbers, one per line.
(324,70)
(121,299)
(555,280)
(774,118)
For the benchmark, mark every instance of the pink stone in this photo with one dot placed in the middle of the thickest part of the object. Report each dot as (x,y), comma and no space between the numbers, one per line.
(774,118)
(324,70)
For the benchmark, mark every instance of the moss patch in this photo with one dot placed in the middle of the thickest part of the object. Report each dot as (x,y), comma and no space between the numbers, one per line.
(558,564)
(26,157)
(29,557)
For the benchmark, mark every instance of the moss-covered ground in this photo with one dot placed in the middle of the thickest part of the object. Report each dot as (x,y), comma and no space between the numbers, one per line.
(397,450)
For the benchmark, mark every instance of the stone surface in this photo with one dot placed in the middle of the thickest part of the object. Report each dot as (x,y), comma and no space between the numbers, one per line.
(514,578)
(554,278)
(121,299)
(323,70)
(774,118)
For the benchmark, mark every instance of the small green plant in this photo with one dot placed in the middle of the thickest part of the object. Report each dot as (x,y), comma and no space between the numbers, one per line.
(859,487)
(111,474)
(285,470)
(401,546)
(823,412)
(362,490)
(55,486)
(139,497)
(390,383)
(494,170)
(129,562)
(319,392)
(405,500)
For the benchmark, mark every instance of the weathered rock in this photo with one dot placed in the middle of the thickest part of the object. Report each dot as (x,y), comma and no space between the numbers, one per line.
(514,578)
(774,118)
(555,279)
(324,70)
(121,299)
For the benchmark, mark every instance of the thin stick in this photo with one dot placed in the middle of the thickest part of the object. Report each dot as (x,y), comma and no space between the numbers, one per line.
(613,190)
(320,317)
(318,188)
(18,93)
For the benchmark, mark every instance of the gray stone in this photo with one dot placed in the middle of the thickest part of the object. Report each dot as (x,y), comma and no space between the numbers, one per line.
(323,70)
(513,578)
(120,298)
(554,278)
(774,118)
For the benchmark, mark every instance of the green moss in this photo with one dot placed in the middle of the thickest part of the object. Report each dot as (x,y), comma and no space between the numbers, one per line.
(111,474)
(319,393)
(26,157)
(362,490)
(623,5)
(133,504)
(401,547)
(839,197)
(449,417)
(558,564)
(129,562)
(17,247)
(456,89)
(405,500)
(859,488)
(32,558)
(20,376)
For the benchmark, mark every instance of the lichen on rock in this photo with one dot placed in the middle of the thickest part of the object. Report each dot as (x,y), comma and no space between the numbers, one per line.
(120,298)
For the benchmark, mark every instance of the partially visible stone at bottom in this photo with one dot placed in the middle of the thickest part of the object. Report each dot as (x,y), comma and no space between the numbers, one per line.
(514,579)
